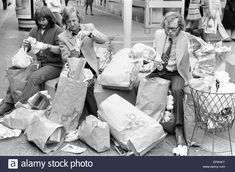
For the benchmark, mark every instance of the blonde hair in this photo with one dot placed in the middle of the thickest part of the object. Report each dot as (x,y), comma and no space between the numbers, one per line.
(69,10)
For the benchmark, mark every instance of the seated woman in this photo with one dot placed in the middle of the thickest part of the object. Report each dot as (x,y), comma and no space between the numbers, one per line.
(45,31)
(69,41)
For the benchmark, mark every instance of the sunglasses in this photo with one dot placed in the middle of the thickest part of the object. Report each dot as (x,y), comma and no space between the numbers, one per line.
(173,29)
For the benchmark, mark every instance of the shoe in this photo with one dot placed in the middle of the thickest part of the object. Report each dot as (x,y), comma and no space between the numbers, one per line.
(180,150)
(92,14)
(5,107)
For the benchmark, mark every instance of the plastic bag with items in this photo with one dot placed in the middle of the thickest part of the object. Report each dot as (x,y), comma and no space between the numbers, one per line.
(21,59)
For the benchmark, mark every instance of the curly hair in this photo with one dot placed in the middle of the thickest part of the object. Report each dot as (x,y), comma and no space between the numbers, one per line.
(44,12)
(69,10)
(170,16)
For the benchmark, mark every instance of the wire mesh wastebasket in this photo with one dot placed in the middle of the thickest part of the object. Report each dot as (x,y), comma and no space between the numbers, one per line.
(214,112)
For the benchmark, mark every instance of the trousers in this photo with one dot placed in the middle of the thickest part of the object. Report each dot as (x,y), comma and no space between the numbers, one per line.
(176,86)
(34,83)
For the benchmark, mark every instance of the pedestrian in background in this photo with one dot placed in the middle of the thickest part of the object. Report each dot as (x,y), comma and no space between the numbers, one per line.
(55,6)
(229,19)
(85,35)
(194,18)
(89,3)
(5,3)
(49,57)
(66,2)
(212,12)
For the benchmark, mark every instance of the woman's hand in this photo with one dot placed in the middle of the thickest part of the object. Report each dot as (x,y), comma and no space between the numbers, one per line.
(26,45)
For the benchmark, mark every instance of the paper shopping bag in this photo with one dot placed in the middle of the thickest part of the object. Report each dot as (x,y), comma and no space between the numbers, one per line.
(133,129)
(68,103)
(41,130)
(18,78)
(121,72)
(95,133)
(21,118)
(152,96)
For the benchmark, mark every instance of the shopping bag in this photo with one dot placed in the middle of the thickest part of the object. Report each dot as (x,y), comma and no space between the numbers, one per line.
(121,73)
(211,25)
(68,102)
(21,59)
(18,78)
(152,96)
(47,135)
(95,133)
(133,129)
(21,118)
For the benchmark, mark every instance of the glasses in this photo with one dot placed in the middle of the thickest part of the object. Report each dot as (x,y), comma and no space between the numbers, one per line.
(173,29)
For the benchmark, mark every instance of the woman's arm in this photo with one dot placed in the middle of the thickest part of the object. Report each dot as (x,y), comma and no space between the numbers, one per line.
(65,53)
(54,48)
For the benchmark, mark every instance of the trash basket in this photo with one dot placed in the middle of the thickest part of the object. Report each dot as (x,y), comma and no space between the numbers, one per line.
(213,111)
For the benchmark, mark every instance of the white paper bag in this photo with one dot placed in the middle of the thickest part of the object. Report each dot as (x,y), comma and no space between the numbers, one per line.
(95,133)
(132,128)
(121,72)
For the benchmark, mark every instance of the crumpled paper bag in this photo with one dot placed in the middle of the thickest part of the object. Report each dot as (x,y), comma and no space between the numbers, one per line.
(95,133)
(6,132)
(21,118)
(133,129)
(47,135)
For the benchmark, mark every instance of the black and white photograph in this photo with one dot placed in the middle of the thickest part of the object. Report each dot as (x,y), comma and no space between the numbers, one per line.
(126,79)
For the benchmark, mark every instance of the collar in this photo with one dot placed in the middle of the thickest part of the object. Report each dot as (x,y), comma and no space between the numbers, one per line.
(71,34)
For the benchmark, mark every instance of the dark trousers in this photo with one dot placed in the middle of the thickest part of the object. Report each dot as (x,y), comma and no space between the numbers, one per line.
(176,87)
(66,2)
(90,106)
(4,4)
(34,83)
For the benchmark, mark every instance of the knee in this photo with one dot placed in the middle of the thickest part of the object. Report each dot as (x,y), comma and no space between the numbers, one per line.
(177,90)
(34,80)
